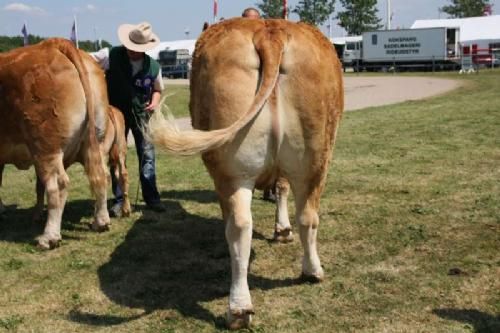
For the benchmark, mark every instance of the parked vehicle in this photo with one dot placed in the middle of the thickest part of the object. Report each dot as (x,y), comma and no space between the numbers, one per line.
(430,48)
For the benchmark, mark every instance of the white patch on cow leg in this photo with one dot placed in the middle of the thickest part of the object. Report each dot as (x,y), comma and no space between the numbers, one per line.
(282,229)
(239,239)
(123,179)
(56,189)
(307,221)
(101,216)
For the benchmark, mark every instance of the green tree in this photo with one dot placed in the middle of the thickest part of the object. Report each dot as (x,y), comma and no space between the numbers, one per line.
(359,16)
(314,12)
(91,45)
(466,8)
(271,8)
(9,43)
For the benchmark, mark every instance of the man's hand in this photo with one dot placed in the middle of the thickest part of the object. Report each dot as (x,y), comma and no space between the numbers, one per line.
(155,102)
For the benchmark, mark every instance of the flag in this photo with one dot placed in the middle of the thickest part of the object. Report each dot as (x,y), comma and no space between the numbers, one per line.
(74,33)
(285,10)
(25,34)
(215,10)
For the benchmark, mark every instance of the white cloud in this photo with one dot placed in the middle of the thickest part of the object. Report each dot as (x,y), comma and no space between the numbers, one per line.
(21,7)
(87,8)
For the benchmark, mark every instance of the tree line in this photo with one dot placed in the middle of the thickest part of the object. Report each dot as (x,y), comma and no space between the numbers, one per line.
(8,43)
(359,16)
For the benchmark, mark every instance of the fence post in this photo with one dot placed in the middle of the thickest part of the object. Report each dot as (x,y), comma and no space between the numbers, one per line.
(433,65)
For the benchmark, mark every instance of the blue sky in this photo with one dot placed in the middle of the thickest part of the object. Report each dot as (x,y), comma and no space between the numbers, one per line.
(171,19)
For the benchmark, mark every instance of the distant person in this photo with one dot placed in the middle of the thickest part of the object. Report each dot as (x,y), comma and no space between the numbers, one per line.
(251,13)
(134,87)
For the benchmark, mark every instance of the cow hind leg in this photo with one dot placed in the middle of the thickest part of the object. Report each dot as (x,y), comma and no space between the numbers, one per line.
(307,221)
(96,173)
(56,181)
(282,229)
(38,209)
(124,184)
(238,218)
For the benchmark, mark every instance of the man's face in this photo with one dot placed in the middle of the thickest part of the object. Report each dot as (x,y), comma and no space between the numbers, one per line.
(133,55)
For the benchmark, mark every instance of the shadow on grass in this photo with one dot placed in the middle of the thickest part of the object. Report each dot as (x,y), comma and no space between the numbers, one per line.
(17,225)
(98,320)
(174,260)
(201,196)
(480,321)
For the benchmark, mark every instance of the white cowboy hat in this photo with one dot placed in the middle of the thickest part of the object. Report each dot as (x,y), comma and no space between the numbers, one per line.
(139,38)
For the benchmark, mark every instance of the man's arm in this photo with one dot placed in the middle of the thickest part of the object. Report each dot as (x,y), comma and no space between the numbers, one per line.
(156,97)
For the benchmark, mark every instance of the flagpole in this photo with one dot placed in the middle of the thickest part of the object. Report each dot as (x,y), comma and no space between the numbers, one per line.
(388,26)
(285,10)
(216,5)
(76,32)
(96,40)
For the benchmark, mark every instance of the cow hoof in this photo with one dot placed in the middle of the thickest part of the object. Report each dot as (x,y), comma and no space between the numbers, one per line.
(126,211)
(239,319)
(312,278)
(99,227)
(283,236)
(48,243)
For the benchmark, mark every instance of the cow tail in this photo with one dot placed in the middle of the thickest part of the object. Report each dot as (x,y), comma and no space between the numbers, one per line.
(269,45)
(93,161)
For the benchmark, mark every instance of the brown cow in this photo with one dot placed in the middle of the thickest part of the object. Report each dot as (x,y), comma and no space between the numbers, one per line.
(48,115)
(114,152)
(266,97)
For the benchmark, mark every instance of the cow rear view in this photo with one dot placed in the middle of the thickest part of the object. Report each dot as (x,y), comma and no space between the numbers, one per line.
(266,100)
(48,115)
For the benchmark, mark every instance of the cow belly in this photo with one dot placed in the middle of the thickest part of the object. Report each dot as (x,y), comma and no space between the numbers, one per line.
(17,154)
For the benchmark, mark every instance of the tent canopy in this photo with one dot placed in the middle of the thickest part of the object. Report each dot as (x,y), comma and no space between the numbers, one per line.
(471,28)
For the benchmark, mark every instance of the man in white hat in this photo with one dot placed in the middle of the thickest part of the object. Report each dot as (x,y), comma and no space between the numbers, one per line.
(134,86)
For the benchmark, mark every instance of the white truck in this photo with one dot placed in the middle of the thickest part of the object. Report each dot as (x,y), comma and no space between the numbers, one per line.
(348,49)
(429,48)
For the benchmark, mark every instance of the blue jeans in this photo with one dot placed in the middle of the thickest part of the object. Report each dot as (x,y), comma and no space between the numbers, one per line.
(146,156)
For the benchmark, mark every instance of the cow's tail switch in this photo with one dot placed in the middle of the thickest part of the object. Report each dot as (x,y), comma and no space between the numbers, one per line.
(269,44)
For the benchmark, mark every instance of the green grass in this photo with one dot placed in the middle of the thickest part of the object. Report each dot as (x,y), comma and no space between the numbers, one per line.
(409,238)
(177,99)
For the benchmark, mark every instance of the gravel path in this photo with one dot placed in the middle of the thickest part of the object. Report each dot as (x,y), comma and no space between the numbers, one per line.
(362,92)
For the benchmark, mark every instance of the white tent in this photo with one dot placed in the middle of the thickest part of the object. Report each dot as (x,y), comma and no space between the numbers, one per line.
(173,45)
(483,29)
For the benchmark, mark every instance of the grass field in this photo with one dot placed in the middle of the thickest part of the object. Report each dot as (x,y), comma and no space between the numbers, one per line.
(409,238)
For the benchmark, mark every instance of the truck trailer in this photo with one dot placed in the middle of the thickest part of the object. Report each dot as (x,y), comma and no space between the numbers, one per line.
(429,48)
